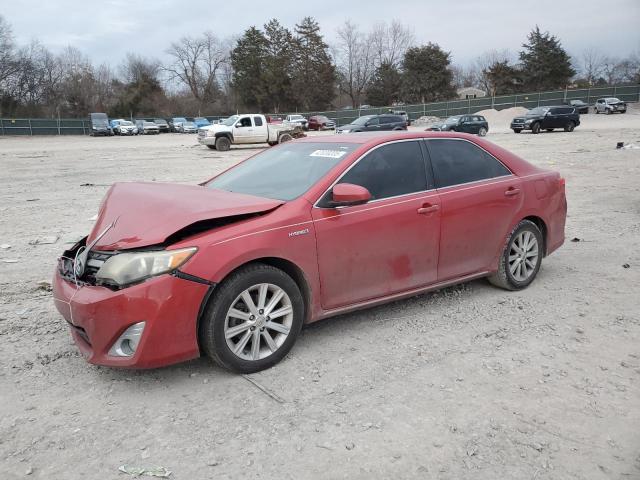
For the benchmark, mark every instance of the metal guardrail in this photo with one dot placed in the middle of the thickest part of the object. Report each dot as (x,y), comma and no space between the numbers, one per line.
(627,93)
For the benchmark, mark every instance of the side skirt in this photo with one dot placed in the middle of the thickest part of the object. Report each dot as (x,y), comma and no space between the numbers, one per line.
(398,296)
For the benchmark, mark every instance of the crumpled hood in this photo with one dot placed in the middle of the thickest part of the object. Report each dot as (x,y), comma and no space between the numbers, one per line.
(146,213)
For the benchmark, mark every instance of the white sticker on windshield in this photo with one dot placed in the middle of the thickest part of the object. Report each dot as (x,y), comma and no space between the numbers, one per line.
(328,153)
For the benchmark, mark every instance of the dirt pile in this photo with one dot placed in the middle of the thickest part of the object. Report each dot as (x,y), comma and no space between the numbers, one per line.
(501,119)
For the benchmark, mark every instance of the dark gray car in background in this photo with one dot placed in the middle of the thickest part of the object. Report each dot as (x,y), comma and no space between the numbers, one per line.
(374,123)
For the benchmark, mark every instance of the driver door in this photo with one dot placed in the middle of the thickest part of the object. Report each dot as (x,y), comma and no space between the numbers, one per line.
(243,131)
(388,245)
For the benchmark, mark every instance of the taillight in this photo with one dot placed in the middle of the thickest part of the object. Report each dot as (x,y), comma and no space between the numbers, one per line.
(561,182)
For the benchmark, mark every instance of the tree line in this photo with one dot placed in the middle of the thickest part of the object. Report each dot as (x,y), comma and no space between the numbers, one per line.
(276,69)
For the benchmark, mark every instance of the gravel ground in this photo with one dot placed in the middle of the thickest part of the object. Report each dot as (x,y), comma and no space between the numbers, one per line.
(468,382)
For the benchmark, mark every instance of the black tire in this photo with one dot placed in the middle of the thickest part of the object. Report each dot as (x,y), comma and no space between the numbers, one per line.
(569,127)
(503,278)
(212,338)
(212,147)
(608,110)
(482,132)
(549,129)
(595,110)
(535,128)
(623,111)
(517,130)
(272,144)
(285,137)
(223,144)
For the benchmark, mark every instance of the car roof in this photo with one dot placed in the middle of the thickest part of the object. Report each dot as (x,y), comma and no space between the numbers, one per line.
(379,137)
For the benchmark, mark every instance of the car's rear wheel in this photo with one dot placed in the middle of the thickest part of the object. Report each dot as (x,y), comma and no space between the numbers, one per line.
(549,129)
(521,259)
(223,144)
(569,127)
(535,128)
(285,137)
(253,319)
(482,131)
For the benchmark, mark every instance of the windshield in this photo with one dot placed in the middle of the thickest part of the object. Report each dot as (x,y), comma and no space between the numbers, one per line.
(452,120)
(283,173)
(179,119)
(230,121)
(160,121)
(126,123)
(612,100)
(189,124)
(362,120)
(537,111)
(296,117)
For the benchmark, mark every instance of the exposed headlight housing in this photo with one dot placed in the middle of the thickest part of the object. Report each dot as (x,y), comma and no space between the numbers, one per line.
(127,268)
(527,122)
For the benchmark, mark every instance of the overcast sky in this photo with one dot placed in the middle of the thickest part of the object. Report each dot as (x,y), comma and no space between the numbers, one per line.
(106,30)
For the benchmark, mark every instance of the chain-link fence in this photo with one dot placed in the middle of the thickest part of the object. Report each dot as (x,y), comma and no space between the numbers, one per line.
(627,93)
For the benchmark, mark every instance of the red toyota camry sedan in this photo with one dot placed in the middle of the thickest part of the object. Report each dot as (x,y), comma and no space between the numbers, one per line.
(234,267)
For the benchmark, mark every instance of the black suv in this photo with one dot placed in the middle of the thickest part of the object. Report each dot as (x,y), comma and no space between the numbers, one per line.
(547,118)
(476,124)
(374,123)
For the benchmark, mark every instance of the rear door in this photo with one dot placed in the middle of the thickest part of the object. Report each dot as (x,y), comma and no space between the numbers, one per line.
(387,245)
(387,122)
(479,197)
(260,130)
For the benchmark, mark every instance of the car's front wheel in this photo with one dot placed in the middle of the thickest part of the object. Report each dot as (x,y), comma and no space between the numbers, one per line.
(517,130)
(535,128)
(521,258)
(253,319)
(223,144)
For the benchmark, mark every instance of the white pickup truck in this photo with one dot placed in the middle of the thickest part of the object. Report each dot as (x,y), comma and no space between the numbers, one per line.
(244,129)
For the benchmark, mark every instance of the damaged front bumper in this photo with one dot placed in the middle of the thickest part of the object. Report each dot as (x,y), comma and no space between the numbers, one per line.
(169,305)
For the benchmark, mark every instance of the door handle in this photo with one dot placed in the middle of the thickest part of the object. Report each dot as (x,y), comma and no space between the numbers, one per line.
(428,208)
(511,192)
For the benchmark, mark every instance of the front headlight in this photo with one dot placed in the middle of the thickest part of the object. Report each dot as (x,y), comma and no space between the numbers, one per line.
(125,268)
(345,131)
(527,122)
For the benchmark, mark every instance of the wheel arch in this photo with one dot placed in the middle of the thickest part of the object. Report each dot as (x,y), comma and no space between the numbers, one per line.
(287,266)
(540,223)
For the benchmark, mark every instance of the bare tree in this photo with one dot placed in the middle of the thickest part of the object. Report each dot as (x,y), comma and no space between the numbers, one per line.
(593,62)
(390,42)
(196,62)
(355,61)
(464,76)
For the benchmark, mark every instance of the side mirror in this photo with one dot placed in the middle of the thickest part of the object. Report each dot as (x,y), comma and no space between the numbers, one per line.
(238,125)
(346,194)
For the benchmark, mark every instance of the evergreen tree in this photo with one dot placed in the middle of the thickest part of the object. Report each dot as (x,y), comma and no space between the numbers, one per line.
(248,59)
(503,78)
(426,75)
(545,64)
(278,66)
(314,77)
(385,85)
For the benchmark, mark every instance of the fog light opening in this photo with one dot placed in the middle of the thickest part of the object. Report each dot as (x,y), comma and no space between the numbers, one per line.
(127,343)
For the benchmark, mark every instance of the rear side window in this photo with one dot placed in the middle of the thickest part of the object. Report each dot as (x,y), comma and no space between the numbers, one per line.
(257,121)
(390,170)
(457,161)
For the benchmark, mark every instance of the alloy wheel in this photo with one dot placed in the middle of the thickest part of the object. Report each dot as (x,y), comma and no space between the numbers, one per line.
(258,321)
(523,256)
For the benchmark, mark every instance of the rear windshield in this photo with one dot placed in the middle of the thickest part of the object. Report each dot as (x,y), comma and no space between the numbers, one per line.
(285,172)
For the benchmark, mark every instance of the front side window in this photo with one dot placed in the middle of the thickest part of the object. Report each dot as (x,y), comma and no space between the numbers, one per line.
(390,170)
(458,161)
(245,122)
